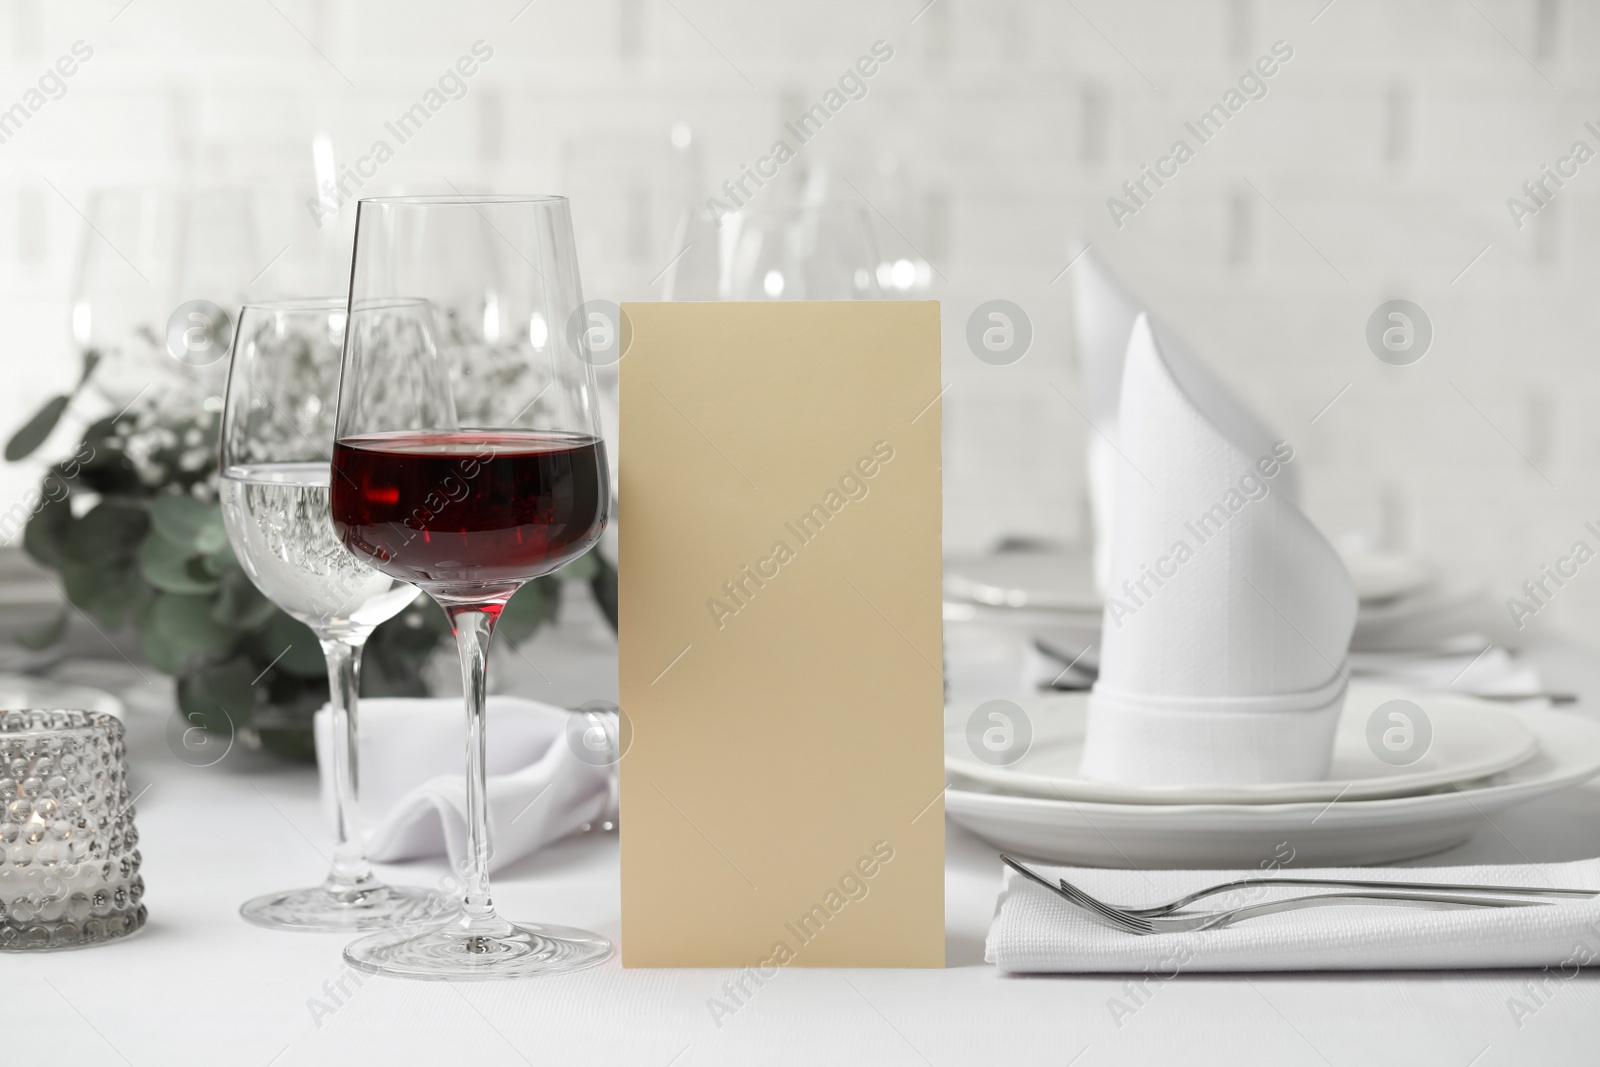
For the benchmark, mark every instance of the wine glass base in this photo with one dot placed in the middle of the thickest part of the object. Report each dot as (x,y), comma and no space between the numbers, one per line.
(320,910)
(519,950)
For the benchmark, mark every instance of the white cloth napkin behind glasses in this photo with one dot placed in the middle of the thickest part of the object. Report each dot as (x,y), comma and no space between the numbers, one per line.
(1229,615)
(412,766)
(1035,931)
(1103,316)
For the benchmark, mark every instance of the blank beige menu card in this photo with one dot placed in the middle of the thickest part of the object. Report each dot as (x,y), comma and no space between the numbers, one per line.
(779,570)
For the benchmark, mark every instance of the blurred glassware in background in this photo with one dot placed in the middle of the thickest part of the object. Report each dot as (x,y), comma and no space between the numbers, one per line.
(628,193)
(143,252)
(812,252)
(809,251)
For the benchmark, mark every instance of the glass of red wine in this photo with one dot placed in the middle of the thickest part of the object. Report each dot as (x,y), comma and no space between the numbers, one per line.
(467,461)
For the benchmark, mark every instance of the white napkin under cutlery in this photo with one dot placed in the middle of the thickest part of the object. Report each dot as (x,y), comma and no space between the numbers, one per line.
(1035,931)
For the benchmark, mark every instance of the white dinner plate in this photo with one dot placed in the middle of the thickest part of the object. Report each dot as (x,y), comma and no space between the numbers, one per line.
(19,691)
(1334,834)
(1042,579)
(1382,576)
(1063,579)
(1471,739)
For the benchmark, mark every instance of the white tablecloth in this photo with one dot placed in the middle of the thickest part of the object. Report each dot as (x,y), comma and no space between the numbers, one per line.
(199,986)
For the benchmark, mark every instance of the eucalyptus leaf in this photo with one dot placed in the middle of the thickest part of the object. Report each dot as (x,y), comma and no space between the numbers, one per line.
(100,430)
(111,530)
(189,522)
(582,569)
(297,745)
(219,696)
(164,654)
(183,629)
(108,470)
(172,569)
(110,589)
(529,608)
(398,650)
(211,539)
(223,561)
(46,531)
(36,429)
(604,586)
(290,644)
(239,603)
(98,560)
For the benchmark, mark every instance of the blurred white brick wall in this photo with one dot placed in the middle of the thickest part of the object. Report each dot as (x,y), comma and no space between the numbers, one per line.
(1378,166)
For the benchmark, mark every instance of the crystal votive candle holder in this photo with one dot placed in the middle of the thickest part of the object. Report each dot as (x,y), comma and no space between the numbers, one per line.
(69,862)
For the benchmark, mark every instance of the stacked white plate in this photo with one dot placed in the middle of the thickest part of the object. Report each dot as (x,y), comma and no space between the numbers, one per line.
(1055,587)
(1482,759)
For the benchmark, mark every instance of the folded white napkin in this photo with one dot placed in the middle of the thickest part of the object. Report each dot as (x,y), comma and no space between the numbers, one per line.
(1104,313)
(1036,931)
(411,770)
(1228,616)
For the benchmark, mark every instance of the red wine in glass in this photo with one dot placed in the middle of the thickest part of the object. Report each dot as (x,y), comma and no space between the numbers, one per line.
(470,508)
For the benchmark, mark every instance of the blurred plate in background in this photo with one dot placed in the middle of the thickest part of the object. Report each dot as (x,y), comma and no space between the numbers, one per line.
(1042,579)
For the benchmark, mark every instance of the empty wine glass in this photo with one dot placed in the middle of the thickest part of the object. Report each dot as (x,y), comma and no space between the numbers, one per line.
(813,251)
(277,433)
(145,251)
(468,466)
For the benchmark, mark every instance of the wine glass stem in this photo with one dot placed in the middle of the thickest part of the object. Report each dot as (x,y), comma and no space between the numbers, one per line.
(474,625)
(351,871)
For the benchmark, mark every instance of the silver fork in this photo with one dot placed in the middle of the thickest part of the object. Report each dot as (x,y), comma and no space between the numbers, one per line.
(1326,883)
(1129,922)
(1354,883)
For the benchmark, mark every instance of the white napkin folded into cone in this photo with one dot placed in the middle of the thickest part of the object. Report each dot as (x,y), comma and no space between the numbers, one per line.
(1104,313)
(1035,931)
(1228,615)
(412,764)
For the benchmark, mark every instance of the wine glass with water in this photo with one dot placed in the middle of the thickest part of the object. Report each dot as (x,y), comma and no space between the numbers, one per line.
(277,437)
(469,464)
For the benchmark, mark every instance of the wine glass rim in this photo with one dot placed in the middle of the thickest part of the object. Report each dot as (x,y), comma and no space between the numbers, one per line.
(381,303)
(462,199)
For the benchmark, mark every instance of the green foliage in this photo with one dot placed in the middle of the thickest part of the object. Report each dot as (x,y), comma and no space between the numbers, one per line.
(529,607)
(46,532)
(604,587)
(147,548)
(390,666)
(219,696)
(35,430)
